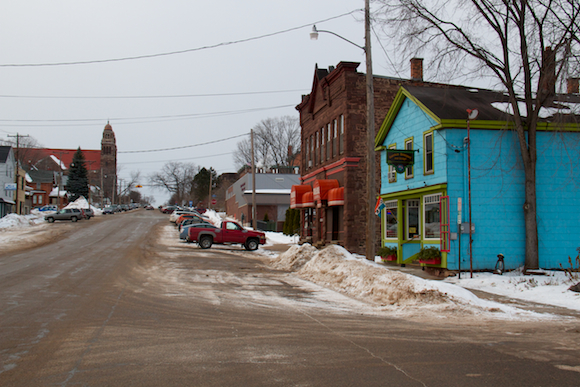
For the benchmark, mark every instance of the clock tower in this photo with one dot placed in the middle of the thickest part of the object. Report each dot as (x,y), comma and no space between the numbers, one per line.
(109,165)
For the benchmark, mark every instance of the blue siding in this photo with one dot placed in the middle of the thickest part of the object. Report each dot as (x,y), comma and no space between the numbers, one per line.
(413,122)
(497,189)
(496,194)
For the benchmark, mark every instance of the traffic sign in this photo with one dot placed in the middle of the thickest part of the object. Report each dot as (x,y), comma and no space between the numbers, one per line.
(213,201)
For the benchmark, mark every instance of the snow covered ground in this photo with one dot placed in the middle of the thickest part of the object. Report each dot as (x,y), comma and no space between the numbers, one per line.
(352,275)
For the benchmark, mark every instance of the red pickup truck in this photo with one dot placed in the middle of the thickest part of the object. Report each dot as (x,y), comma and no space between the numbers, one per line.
(229,233)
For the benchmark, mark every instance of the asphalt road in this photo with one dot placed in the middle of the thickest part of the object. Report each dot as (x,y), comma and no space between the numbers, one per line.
(115,301)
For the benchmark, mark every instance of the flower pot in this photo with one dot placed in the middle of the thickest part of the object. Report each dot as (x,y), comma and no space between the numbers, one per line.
(431,261)
(390,258)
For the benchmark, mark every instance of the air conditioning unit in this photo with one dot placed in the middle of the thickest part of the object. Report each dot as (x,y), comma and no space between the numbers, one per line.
(309,163)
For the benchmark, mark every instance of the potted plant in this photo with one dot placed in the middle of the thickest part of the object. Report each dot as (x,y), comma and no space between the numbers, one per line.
(430,255)
(388,253)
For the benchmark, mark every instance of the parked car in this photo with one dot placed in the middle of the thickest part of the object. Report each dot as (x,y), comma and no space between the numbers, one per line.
(108,210)
(48,207)
(229,233)
(185,229)
(72,214)
(191,220)
(149,207)
(88,213)
(177,213)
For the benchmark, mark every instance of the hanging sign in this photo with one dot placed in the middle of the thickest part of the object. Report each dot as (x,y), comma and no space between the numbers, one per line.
(10,186)
(400,158)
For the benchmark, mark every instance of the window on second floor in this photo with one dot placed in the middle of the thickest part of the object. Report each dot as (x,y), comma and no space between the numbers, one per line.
(409,169)
(392,170)
(428,153)
(334,138)
(322,145)
(341,134)
(328,141)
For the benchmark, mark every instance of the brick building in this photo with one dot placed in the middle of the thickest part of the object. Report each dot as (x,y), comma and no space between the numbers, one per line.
(332,194)
(272,198)
(45,165)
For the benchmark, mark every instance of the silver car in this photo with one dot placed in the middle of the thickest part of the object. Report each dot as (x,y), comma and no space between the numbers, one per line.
(72,214)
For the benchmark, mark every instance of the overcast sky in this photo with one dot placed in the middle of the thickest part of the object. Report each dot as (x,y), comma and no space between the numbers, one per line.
(200,96)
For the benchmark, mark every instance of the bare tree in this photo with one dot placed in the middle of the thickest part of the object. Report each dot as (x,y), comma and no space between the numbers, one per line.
(524,45)
(28,154)
(129,184)
(176,178)
(276,143)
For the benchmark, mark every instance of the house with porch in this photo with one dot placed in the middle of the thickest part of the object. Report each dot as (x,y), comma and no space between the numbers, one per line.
(427,203)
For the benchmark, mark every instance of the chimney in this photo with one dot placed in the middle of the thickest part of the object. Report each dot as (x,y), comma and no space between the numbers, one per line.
(573,84)
(417,69)
(548,71)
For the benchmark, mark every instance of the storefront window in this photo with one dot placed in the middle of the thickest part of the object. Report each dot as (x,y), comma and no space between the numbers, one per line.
(432,216)
(391,222)
(413,225)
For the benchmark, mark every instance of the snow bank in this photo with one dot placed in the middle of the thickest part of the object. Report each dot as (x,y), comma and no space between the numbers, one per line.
(214,217)
(83,203)
(277,238)
(20,221)
(550,288)
(337,269)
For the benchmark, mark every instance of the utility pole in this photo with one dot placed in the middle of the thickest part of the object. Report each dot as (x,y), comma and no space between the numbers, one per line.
(17,174)
(210,181)
(254,221)
(102,190)
(371,196)
(60,165)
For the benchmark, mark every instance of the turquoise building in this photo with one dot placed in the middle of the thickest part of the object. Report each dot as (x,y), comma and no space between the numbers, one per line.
(422,203)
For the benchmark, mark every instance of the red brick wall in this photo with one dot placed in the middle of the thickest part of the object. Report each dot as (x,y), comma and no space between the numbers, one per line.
(343,91)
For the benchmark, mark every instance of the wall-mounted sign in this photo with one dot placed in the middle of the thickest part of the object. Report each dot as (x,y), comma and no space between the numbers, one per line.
(10,186)
(400,158)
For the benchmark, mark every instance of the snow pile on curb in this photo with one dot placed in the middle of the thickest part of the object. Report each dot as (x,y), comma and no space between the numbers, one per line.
(337,269)
(81,203)
(20,221)
(551,287)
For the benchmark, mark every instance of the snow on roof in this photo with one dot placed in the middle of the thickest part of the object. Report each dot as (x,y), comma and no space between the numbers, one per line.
(60,163)
(545,112)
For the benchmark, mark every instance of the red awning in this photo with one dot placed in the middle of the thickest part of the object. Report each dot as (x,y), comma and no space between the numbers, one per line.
(336,197)
(307,200)
(321,188)
(297,194)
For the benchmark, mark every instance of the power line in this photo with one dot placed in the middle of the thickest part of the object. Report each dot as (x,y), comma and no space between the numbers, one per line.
(120,120)
(180,159)
(149,96)
(184,146)
(175,52)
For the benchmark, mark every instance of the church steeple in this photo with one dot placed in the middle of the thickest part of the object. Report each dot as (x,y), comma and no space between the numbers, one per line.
(109,163)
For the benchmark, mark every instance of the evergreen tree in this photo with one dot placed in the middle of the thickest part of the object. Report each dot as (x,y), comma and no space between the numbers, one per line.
(200,184)
(78,181)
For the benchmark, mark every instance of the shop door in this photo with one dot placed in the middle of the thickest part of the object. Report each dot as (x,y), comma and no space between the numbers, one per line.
(412,225)
(335,222)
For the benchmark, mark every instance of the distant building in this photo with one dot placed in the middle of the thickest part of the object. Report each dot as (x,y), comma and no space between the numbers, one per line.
(272,198)
(7,181)
(101,166)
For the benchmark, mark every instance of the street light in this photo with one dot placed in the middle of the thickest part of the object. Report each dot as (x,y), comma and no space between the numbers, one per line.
(370,240)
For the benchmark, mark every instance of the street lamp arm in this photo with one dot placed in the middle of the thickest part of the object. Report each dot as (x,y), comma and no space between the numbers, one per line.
(315,31)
